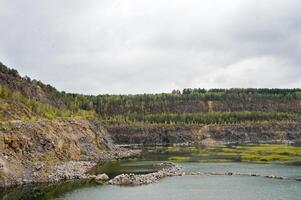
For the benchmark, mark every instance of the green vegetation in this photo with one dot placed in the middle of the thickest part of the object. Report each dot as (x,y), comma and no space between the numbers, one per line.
(263,153)
(217,100)
(9,71)
(26,99)
(179,158)
(204,107)
(267,153)
(211,117)
(2,127)
(14,105)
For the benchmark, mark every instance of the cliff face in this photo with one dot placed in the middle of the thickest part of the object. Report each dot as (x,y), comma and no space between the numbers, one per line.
(149,134)
(269,132)
(29,150)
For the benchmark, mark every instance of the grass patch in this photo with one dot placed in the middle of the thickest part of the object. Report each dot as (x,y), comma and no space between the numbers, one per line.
(179,158)
(261,158)
(262,153)
(215,161)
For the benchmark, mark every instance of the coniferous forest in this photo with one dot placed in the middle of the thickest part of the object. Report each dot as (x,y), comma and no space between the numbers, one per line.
(28,99)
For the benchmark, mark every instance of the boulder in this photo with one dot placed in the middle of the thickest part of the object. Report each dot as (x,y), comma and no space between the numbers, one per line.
(102,178)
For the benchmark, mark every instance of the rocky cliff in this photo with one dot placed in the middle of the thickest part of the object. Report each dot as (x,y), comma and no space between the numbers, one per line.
(150,134)
(124,133)
(29,150)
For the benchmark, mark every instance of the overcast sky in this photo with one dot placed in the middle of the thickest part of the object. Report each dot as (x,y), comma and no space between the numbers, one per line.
(147,46)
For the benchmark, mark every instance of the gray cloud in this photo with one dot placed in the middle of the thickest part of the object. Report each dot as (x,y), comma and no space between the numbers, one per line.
(130,46)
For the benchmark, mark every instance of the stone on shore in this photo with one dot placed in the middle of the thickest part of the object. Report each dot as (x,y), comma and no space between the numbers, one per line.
(168,169)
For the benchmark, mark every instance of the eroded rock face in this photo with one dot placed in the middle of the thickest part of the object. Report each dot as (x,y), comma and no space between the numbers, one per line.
(168,169)
(30,150)
(123,133)
(150,134)
(283,132)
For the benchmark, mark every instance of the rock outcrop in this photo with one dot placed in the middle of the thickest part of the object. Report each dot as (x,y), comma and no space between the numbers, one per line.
(152,134)
(124,133)
(46,151)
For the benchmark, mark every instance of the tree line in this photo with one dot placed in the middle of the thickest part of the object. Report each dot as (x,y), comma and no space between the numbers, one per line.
(206,118)
(190,104)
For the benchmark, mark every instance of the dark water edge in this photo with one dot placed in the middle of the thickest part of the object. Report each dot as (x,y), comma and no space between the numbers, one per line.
(43,191)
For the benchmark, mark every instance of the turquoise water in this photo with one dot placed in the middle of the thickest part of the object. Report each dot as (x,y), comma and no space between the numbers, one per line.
(195,188)
(175,188)
(290,171)
(206,187)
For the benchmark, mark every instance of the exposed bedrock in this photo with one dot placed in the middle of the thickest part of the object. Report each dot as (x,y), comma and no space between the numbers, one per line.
(46,151)
(149,134)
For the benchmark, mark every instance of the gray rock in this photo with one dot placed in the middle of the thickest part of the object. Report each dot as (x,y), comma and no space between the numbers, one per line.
(102,178)
(169,169)
(38,166)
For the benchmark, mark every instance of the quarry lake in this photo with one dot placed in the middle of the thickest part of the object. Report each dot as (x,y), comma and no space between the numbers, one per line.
(217,162)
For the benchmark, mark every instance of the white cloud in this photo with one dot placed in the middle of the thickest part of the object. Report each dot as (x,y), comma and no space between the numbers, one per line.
(252,73)
(131,46)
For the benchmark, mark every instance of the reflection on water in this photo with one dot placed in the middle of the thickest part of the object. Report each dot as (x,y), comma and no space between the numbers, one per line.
(114,168)
(196,188)
(43,191)
(204,159)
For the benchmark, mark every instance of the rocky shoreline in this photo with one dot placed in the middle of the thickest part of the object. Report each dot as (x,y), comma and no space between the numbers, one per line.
(43,172)
(171,169)
(46,151)
(52,150)
(78,169)
(168,169)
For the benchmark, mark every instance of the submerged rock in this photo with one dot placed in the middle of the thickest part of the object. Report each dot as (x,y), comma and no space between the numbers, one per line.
(276,177)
